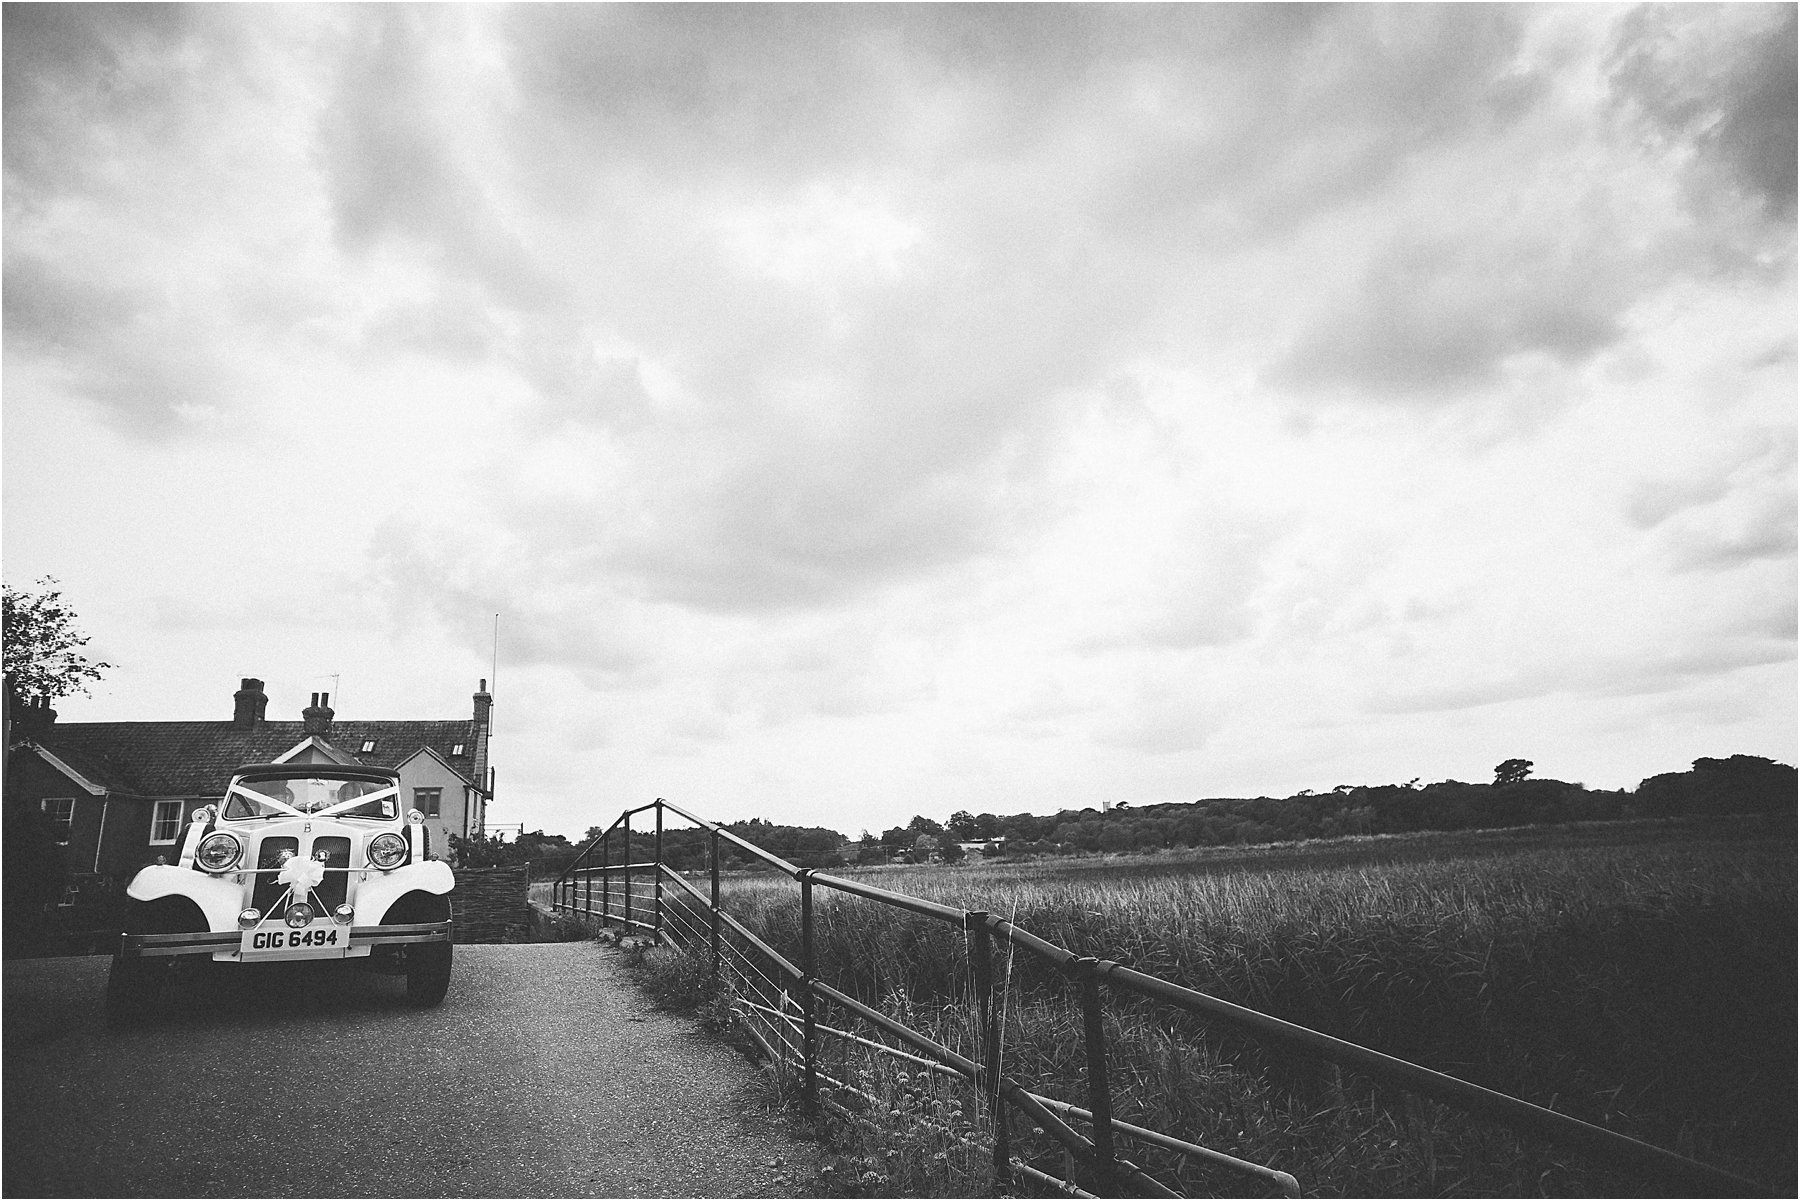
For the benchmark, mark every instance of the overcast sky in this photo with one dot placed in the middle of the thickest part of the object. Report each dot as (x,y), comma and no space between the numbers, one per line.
(854,412)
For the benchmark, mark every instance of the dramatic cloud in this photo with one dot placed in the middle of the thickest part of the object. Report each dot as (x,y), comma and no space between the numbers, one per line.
(859,410)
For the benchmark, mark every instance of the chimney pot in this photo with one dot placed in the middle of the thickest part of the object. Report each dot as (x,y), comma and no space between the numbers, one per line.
(317,716)
(484,705)
(249,704)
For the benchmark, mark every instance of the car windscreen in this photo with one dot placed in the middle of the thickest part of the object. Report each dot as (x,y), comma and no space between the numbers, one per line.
(310,794)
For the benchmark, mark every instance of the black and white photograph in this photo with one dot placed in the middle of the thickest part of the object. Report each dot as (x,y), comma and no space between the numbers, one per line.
(899,600)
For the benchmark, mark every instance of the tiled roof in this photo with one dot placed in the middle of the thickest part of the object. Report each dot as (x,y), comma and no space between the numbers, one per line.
(196,758)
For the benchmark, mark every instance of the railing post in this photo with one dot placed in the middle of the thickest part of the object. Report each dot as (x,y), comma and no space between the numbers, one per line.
(625,928)
(715,904)
(659,871)
(808,1031)
(605,881)
(1099,1095)
(981,959)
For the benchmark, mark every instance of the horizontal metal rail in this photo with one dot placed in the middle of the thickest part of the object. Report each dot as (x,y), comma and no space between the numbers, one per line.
(1289,1186)
(573,891)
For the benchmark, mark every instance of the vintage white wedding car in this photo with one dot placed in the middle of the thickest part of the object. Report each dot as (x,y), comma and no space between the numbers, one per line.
(300,861)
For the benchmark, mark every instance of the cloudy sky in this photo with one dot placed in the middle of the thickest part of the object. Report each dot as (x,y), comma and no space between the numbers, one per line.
(853,412)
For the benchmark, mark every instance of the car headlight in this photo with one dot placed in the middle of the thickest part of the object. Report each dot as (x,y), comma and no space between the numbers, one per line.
(299,914)
(387,851)
(218,852)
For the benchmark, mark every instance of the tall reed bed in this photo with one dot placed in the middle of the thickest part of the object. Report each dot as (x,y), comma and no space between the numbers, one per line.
(1642,978)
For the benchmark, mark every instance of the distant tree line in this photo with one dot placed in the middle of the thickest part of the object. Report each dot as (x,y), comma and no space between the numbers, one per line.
(684,848)
(1739,784)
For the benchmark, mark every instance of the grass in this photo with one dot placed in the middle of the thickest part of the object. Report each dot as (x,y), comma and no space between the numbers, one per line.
(1641,976)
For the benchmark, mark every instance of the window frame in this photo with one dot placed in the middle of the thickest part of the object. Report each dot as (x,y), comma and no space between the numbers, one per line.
(64,821)
(437,801)
(155,810)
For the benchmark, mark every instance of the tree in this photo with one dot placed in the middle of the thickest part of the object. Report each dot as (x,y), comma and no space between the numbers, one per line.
(962,827)
(42,645)
(1512,771)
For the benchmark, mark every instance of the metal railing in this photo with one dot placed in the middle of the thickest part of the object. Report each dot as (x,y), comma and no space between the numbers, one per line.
(778,1001)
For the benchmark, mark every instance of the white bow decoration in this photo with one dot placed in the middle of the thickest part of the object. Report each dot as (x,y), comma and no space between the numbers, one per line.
(301,875)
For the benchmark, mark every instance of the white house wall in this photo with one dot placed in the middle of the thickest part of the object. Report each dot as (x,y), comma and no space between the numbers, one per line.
(428,771)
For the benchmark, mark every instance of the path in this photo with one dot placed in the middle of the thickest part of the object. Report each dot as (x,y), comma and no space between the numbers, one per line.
(542,1074)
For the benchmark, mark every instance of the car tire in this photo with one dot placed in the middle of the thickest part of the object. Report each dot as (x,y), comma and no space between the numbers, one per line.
(428,972)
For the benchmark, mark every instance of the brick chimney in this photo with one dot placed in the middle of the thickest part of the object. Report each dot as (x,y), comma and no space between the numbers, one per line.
(318,715)
(484,705)
(249,703)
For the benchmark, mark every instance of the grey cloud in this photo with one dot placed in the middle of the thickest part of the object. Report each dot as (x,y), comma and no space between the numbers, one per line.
(1653,502)
(77,77)
(1660,671)
(463,577)
(1736,510)
(1766,533)
(1723,79)
(140,355)
(1451,697)
(391,173)
(1434,316)
(1311,113)
(760,538)
(455,325)
(1161,721)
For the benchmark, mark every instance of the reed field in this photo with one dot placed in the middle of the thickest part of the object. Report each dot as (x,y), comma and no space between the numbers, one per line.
(1636,975)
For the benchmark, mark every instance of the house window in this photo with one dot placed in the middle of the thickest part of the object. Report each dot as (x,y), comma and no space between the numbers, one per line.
(61,811)
(69,895)
(165,822)
(368,745)
(428,800)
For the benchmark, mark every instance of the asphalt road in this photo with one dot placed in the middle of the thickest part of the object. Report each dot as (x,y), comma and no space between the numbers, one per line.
(543,1074)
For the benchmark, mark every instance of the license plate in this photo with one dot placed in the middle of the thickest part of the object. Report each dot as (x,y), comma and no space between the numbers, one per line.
(320,940)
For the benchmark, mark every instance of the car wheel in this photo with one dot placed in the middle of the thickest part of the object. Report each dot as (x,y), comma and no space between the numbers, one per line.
(428,972)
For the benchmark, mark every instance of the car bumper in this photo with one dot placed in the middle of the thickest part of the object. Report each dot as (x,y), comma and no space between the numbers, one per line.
(225,944)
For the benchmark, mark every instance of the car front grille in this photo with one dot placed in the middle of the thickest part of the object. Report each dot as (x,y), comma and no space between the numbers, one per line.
(336,886)
(331,892)
(268,862)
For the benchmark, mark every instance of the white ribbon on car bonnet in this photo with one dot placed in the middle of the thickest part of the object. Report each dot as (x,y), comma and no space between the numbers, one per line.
(301,875)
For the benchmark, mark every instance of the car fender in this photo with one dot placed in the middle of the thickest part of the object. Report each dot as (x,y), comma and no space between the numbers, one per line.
(219,897)
(375,895)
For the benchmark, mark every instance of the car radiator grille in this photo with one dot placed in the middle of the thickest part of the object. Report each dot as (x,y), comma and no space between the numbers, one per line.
(268,862)
(327,896)
(330,894)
